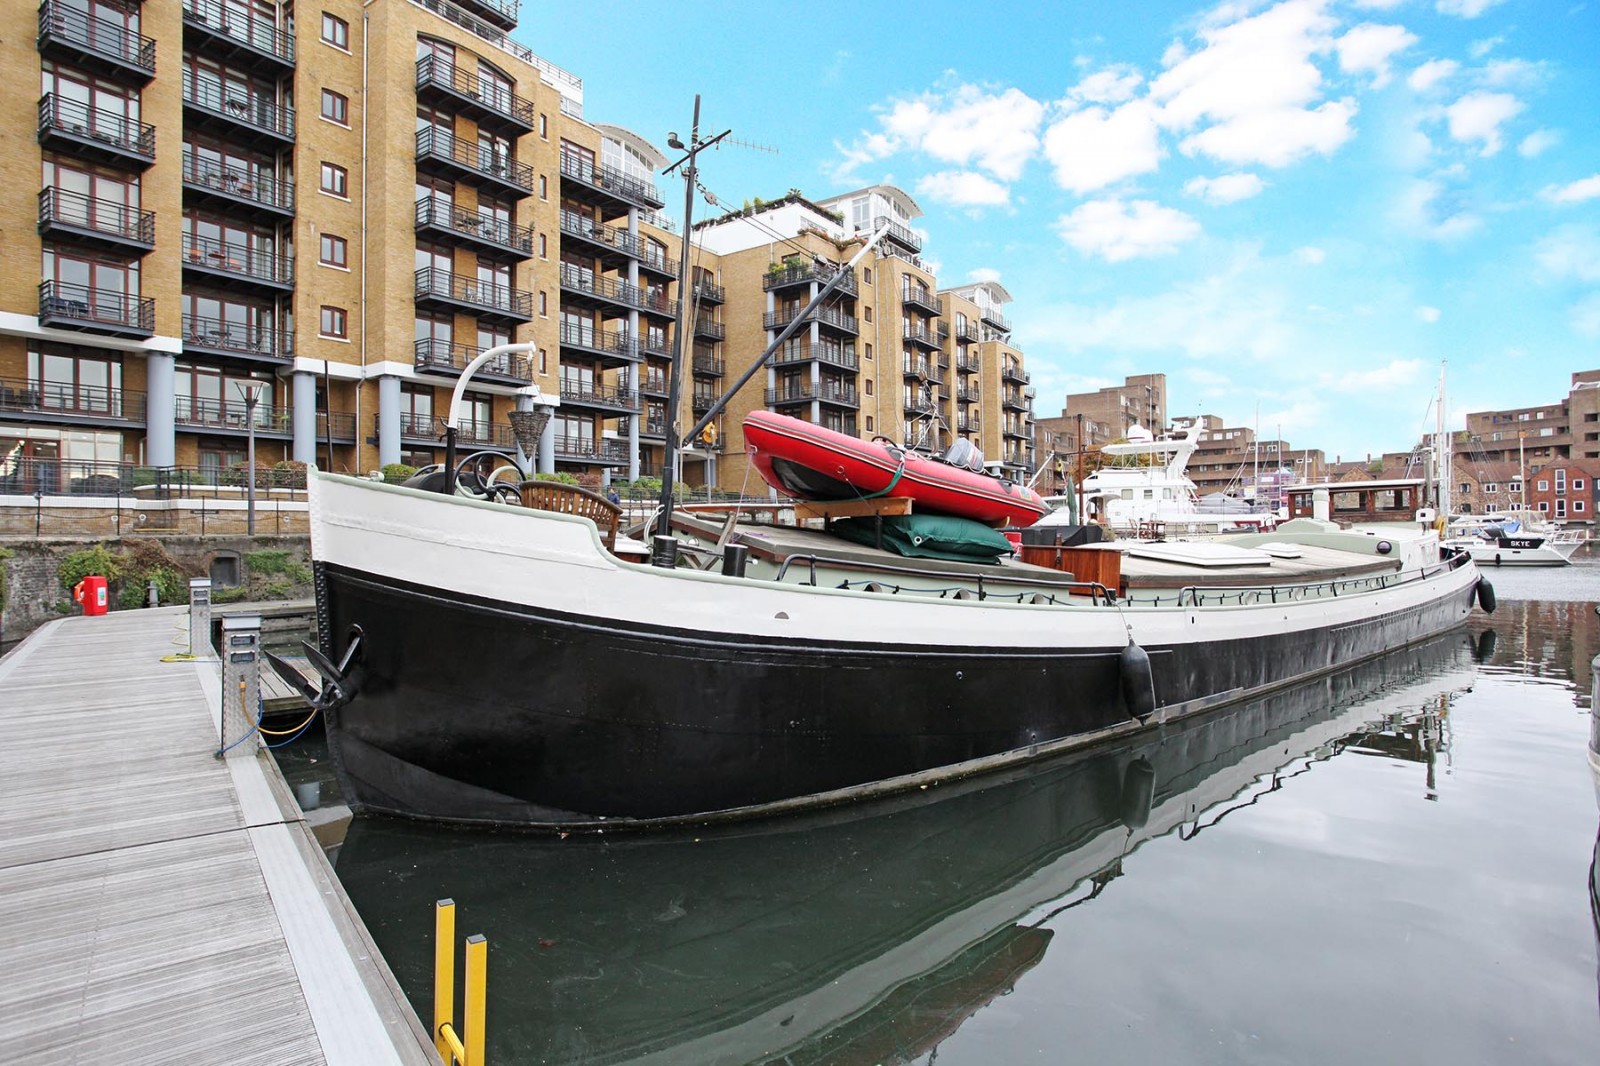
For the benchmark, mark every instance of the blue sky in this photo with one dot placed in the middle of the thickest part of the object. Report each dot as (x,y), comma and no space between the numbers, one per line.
(1295,210)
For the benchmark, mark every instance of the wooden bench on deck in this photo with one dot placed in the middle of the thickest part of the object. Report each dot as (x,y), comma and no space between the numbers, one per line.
(576,500)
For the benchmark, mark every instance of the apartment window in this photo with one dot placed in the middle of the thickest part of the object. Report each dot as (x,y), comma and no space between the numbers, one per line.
(868,351)
(336,31)
(544,188)
(544,361)
(866,314)
(544,248)
(1544,485)
(335,322)
(335,107)
(335,180)
(1577,506)
(866,275)
(544,126)
(1577,484)
(544,306)
(335,251)
(869,386)
(869,423)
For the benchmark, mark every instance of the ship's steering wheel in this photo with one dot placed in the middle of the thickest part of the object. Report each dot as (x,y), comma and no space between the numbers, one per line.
(477,473)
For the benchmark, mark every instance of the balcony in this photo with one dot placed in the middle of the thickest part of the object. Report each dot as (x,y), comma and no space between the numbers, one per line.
(490,104)
(967,364)
(607,451)
(901,235)
(613,191)
(921,405)
(493,237)
(234,32)
(446,290)
(823,392)
(1013,373)
(655,343)
(708,363)
(613,247)
(707,293)
(449,359)
(237,265)
(73,216)
(95,45)
(429,429)
(502,13)
(966,331)
(791,272)
(611,347)
(965,394)
(709,328)
(94,133)
(234,417)
(826,316)
(600,397)
(921,337)
(586,288)
(993,316)
(258,344)
(446,154)
(656,383)
(82,307)
(233,113)
(1017,431)
(914,368)
(1013,399)
(966,424)
(921,298)
(829,353)
(258,194)
(47,401)
(702,401)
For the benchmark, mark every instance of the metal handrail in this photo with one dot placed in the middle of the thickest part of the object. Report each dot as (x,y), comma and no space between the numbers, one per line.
(104,216)
(97,34)
(1100,593)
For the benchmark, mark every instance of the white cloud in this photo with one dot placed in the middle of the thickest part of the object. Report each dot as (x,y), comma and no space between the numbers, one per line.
(1478,116)
(1427,208)
(1276,137)
(1310,255)
(1093,148)
(963,188)
(1431,73)
(1113,85)
(1512,73)
(1427,314)
(1116,231)
(1467,9)
(1396,373)
(1537,143)
(966,126)
(1570,253)
(1248,92)
(1479,49)
(1575,192)
(1227,189)
(983,274)
(1368,48)
(1377,5)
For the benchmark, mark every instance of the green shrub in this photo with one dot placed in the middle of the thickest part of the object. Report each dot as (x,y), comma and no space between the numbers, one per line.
(563,477)
(229,595)
(289,474)
(5,553)
(267,561)
(96,560)
(394,473)
(299,573)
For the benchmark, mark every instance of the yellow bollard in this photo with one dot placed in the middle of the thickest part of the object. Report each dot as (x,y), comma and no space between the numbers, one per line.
(444,974)
(476,1007)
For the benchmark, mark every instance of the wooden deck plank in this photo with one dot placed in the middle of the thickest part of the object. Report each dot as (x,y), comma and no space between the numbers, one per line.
(164,905)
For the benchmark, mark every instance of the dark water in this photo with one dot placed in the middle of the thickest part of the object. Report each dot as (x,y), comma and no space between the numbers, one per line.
(1392,865)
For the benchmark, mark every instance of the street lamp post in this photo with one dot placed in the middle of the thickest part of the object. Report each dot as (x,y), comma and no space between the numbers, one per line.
(252,396)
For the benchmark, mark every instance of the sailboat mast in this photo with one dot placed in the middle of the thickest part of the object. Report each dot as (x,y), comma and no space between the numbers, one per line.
(1441,452)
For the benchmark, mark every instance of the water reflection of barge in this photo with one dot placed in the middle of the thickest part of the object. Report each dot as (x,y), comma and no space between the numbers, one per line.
(857,935)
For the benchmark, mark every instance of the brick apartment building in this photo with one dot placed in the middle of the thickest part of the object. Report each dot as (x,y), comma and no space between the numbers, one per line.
(220,199)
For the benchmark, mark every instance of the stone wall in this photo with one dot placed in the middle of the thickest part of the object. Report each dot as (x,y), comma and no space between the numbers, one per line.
(34,596)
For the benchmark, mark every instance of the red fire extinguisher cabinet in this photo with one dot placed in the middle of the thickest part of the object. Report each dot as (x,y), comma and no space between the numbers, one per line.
(92,594)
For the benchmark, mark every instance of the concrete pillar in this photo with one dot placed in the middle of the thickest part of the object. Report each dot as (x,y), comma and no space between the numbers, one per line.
(388,420)
(305,416)
(633,429)
(161,432)
(547,448)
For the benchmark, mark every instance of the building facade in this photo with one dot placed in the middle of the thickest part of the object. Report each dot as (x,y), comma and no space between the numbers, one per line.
(225,213)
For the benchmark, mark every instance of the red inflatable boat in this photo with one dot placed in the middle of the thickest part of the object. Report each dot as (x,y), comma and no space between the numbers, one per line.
(811,462)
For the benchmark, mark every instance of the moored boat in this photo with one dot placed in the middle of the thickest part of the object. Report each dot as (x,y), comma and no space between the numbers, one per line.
(497,664)
(1505,540)
(811,462)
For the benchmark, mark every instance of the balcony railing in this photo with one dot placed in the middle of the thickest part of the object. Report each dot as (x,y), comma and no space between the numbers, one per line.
(993,316)
(827,316)
(840,355)
(701,401)
(437,354)
(917,296)
(606,450)
(63,207)
(968,425)
(1014,373)
(967,364)
(20,396)
(609,396)
(895,231)
(486,100)
(88,477)
(255,186)
(708,363)
(237,338)
(708,293)
(434,144)
(709,328)
(610,180)
(253,112)
(1012,398)
(606,342)
(655,343)
(782,275)
(438,213)
(237,22)
(245,260)
(824,391)
(576,280)
(920,335)
(233,415)
(433,283)
(475,434)
(96,128)
(85,307)
(65,29)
